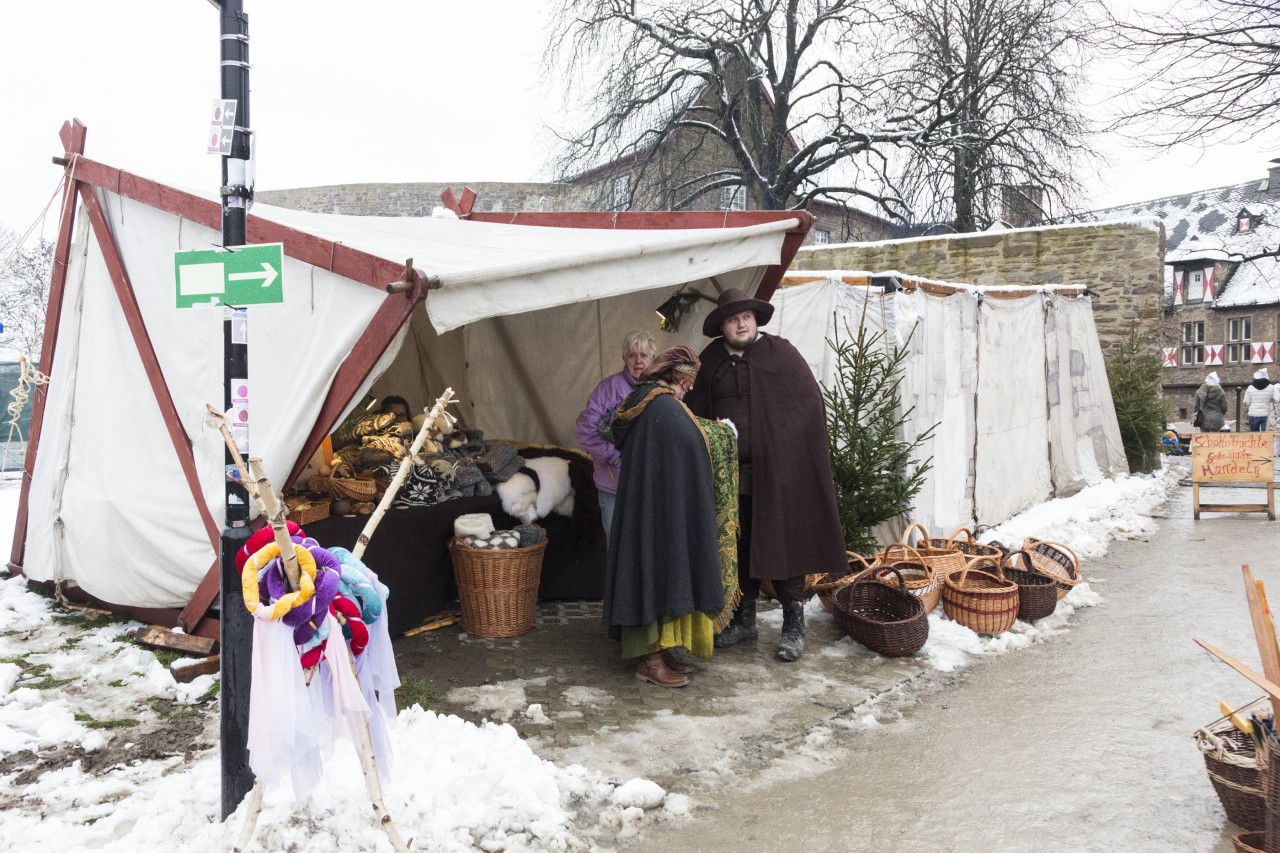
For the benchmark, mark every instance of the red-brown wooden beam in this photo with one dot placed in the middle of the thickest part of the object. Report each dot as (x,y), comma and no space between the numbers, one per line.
(147,352)
(345,261)
(203,598)
(394,311)
(73,135)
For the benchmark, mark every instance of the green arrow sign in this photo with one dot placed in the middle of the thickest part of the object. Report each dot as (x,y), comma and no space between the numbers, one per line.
(244,275)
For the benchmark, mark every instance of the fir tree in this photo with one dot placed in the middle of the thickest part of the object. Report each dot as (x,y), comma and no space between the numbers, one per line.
(875,476)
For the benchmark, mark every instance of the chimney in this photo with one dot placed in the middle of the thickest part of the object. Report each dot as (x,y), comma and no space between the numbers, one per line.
(1021,206)
(1273,177)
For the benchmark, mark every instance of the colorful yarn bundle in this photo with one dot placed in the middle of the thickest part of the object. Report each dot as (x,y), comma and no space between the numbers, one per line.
(261,538)
(280,605)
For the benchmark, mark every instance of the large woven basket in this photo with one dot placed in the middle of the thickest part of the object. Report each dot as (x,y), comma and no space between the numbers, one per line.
(980,600)
(922,581)
(886,619)
(358,489)
(969,546)
(1230,758)
(941,554)
(1056,560)
(1037,593)
(826,585)
(497,588)
(1249,842)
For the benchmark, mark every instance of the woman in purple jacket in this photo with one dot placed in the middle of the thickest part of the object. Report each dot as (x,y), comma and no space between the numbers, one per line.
(638,350)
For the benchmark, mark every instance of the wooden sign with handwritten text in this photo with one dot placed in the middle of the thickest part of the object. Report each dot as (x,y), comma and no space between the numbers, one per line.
(1233,457)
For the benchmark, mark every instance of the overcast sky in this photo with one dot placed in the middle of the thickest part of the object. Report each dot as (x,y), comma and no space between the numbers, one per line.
(400,90)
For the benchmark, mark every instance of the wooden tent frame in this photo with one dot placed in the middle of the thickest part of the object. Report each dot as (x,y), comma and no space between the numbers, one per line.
(405,287)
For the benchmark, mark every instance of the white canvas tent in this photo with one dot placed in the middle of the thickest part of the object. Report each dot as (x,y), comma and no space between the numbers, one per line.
(1013,377)
(125,483)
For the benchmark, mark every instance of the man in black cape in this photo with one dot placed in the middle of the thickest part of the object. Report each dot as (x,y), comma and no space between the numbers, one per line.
(787,500)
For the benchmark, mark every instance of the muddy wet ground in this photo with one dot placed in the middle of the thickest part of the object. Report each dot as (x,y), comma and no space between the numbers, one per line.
(1082,742)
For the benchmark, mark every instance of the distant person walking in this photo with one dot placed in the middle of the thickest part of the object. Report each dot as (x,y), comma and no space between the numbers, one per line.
(1211,405)
(638,350)
(1258,400)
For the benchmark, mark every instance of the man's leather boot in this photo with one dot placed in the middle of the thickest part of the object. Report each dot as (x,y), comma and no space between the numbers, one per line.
(741,627)
(792,631)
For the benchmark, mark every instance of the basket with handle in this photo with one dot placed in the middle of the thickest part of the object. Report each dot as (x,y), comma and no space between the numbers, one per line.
(922,581)
(983,601)
(1037,593)
(940,554)
(826,585)
(497,588)
(969,546)
(886,619)
(1249,842)
(1056,560)
(1231,760)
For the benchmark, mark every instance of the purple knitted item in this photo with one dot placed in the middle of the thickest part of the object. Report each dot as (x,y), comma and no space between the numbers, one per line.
(328,573)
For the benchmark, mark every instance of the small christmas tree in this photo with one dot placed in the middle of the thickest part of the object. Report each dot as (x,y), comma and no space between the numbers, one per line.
(875,476)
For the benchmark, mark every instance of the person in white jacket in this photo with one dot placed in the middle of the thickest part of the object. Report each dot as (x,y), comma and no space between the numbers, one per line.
(1259,398)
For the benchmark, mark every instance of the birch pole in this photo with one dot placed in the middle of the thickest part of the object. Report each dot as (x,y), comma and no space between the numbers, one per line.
(435,413)
(259,487)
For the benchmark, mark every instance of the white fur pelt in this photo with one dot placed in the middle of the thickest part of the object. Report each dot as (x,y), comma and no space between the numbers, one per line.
(520,498)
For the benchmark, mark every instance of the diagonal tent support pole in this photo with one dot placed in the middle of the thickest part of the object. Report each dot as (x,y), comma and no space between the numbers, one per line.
(437,411)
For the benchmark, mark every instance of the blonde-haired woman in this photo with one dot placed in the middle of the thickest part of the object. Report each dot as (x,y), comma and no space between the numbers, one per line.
(638,350)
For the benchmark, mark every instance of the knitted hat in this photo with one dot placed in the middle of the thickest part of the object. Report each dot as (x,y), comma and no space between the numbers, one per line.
(1212,378)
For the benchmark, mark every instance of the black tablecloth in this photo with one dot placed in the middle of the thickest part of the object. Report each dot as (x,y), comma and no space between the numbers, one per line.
(410,553)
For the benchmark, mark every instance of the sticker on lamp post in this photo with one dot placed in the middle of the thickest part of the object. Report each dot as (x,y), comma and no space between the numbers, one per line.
(244,275)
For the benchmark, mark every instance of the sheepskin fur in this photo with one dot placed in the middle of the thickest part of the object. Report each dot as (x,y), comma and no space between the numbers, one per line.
(525,501)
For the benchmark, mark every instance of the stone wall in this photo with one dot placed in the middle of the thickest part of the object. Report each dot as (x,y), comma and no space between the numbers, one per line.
(418,199)
(1122,264)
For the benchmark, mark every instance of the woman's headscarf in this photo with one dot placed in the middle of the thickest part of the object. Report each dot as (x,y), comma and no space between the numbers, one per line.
(1212,378)
(1261,374)
(678,358)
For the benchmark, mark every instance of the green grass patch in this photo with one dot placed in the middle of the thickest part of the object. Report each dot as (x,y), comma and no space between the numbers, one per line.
(119,682)
(89,619)
(210,694)
(417,691)
(71,643)
(22,662)
(167,709)
(37,677)
(91,723)
(166,656)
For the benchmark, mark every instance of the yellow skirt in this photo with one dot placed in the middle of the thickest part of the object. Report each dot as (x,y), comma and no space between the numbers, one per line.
(695,632)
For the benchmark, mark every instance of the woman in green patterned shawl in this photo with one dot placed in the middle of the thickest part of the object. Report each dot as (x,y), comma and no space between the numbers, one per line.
(672,572)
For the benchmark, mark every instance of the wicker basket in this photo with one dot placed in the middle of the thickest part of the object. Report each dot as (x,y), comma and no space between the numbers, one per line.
(886,619)
(922,581)
(1230,758)
(969,546)
(303,511)
(319,483)
(1037,593)
(1055,560)
(979,600)
(497,588)
(357,489)
(1249,842)
(826,585)
(940,554)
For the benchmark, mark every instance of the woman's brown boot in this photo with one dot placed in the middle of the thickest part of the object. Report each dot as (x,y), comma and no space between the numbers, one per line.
(653,669)
(675,664)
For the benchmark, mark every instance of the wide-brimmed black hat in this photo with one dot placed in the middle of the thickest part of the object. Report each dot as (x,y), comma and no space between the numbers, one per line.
(731,302)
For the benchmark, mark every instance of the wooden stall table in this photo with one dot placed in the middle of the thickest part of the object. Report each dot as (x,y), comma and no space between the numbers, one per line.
(410,553)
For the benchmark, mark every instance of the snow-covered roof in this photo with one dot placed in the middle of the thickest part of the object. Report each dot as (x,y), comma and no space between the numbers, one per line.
(1203,226)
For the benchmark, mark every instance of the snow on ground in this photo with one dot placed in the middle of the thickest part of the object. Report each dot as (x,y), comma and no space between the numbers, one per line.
(93,704)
